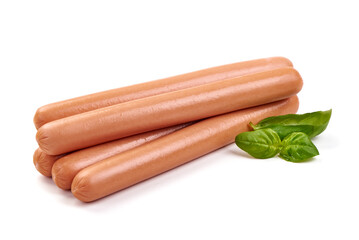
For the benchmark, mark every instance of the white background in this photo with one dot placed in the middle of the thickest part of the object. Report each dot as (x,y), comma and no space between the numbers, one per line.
(54,50)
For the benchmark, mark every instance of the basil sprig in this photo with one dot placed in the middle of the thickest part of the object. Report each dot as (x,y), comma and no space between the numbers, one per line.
(289,135)
(311,124)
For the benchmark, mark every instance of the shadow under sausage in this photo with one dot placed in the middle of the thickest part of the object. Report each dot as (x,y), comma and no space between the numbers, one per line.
(48,184)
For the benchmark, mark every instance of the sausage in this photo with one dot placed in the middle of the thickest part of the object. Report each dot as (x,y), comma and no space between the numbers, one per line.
(65,168)
(146,114)
(168,109)
(123,170)
(94,101)
(43,162)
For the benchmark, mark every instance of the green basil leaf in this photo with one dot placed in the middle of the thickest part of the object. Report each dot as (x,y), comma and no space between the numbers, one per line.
(264,143)
(297,147)
(311,124)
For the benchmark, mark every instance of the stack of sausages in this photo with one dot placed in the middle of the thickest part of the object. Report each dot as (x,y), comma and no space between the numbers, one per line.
(101,143)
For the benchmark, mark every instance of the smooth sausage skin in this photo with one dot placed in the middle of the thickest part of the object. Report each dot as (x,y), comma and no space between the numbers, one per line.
(133,166)
(43,162)
(168,109)
(94,101)
(65,169)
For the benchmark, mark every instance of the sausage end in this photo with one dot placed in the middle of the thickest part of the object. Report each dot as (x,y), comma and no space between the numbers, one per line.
(299,83)
(61,176)
(39,117)
(80,187)
(42,139)
(42,162)
(293,102)
(285,60)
